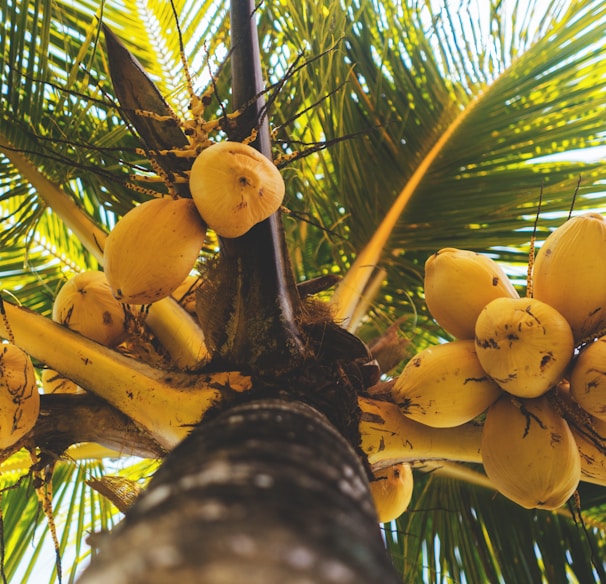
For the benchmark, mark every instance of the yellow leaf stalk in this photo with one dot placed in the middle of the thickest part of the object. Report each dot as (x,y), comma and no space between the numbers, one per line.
(388,437)
(166,404)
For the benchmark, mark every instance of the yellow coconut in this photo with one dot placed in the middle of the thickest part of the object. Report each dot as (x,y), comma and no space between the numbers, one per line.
(524,344)
(391,490)
(592,448)
(19,397)
(53,382)
(529,453)
(444,386)
(459,284)
(235,187)
(152,249)
(570,273)
(588,379)
(86,304)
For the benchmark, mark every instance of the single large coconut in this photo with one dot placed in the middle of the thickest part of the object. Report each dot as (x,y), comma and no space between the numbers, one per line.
(152,249)
(444,386)
(570,274)
(86,304)
(19,397)
(459,284)
(235,187)
(524,344)
(529,453)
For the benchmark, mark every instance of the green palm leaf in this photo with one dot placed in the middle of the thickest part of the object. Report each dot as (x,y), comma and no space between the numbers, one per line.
(456,532)
(79,512)
(481,141)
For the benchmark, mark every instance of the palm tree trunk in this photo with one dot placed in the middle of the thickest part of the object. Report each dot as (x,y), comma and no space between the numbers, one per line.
(266,493)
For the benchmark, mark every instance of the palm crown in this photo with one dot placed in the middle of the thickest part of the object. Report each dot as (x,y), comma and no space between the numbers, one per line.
(402,129)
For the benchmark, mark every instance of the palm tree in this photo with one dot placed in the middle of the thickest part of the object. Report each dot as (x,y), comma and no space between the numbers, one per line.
(422,127)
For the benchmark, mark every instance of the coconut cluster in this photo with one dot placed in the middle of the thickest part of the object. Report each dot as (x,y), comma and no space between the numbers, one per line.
(152,249)
(512,355)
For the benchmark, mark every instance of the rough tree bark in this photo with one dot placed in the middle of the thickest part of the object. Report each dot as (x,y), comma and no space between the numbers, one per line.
(266,493)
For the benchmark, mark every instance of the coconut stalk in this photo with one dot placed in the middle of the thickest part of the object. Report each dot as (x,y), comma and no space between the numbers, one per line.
(67,419)
(388,437)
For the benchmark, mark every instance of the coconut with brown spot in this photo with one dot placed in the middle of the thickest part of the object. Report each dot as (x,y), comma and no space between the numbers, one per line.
(588,379)
(444,386)
(391,490)
(570,274)
(85,304)
(19,397)
(524,344)
(235,187)
(529,452)
(458,284)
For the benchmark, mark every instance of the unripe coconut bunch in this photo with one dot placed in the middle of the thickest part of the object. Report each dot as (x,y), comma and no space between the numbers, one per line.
(153,248)
(504,342)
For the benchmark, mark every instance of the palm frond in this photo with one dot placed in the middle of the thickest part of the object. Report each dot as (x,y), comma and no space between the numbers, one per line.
(459,533)
(508,84)
(78,511)
(535,107)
